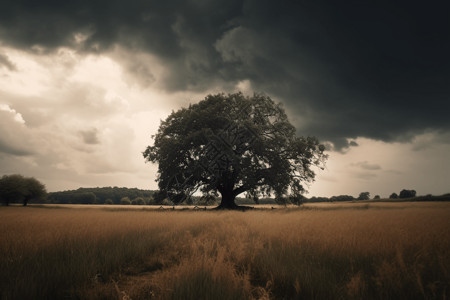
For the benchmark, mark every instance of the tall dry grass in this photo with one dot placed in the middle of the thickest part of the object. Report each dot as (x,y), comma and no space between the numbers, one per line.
(329,252)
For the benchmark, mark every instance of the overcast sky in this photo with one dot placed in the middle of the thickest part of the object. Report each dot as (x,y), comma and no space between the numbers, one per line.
(84,84)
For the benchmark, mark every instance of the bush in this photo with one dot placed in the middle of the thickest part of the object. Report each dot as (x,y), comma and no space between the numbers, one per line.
(109,201)
(125,201)
(138,201)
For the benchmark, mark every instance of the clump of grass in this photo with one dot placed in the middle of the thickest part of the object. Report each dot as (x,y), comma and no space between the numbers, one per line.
(210,277)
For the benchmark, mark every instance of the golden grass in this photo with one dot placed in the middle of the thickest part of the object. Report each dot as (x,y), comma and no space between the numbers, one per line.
(350,251)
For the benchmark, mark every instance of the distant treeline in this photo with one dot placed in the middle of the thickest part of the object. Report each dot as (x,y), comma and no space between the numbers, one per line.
(445,197)
(121,195)
(103,195)
(331,199)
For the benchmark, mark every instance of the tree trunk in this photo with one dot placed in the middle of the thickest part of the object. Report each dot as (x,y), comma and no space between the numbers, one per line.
(227,201)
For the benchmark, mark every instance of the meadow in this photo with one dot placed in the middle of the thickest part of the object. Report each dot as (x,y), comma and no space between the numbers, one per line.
(317,251)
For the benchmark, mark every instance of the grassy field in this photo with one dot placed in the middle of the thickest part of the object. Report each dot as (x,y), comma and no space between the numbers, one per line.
(322,251)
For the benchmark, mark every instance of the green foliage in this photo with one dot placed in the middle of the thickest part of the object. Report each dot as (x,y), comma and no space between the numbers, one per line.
(15,188)
(150,201)
(138,201)
(377,197)
(167,202)
(207,199)
(445,197)
(342,198)
(407,194)
(364,196)
(84,198)
(233,144)
(125,201)
(101,195)
(393,196)
(109,201)
(427,198)
(291,199)
(319,199)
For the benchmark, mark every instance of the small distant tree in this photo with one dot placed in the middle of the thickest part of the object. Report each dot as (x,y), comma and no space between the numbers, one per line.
(109,201)
(407,194)
(393,196)
(15,188)
(377,197)
(364,196)
(125,201)
(139,201)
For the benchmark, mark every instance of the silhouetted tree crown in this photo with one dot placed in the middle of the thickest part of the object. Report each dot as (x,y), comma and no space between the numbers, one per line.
(233,144)
(14,188)
(407,194)
(393,196)
(125,201)
(364,196)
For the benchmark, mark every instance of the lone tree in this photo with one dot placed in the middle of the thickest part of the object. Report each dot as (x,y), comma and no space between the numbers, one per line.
(233,144)
(15,188)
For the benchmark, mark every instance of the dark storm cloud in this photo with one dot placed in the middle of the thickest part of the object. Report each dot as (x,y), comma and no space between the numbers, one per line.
(379,71)
(90,137)
(6,147)
(347,69)
(6,62)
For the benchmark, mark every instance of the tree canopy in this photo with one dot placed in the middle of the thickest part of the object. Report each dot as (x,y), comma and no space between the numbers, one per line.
(231,144)
(16,187)
(364,196)
(393,196)
(407,193)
